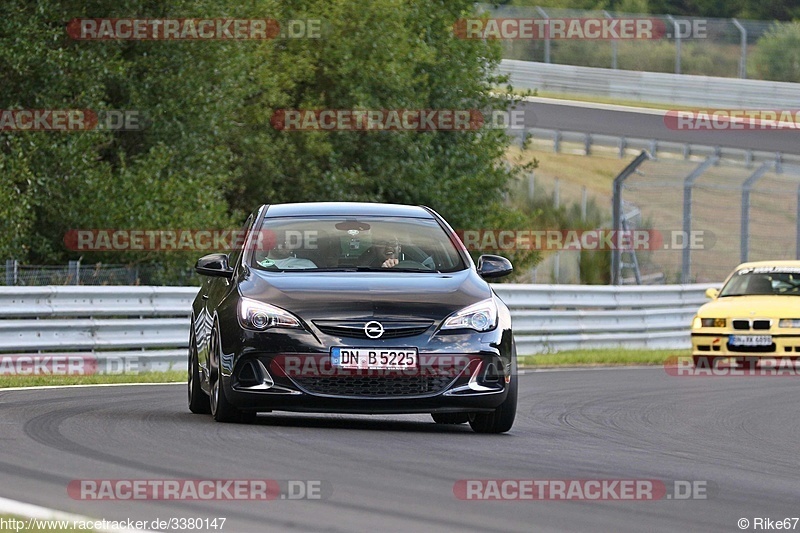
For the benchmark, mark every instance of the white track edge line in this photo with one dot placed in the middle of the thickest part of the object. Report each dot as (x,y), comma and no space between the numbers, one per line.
(86,385)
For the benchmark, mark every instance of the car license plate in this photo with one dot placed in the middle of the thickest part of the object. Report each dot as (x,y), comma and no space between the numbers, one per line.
(751,340)
(374,358)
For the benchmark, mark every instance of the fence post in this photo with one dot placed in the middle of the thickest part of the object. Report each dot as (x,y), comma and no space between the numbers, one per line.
(546,35)
(531,185)
(613,44)
(557,267)
(747,186)
(74,270)
(556,194)
(616,257)
(743,58)
(583,203)
(677,33)
(11,272)
(688,183)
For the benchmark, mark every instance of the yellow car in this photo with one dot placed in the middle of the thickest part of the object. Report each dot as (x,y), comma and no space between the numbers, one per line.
(756,314)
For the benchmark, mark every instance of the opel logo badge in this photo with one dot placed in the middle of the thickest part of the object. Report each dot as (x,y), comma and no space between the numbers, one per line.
(373,329)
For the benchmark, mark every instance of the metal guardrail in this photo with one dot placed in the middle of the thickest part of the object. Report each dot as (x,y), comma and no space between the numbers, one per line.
(624,146)
(149,326)
(553,318)
(679,89)
(113,326)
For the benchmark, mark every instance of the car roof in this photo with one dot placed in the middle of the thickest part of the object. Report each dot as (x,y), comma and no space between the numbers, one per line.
(346,209)
(757,264)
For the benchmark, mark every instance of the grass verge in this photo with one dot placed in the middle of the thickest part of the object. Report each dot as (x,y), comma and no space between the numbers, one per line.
(603,100)
(144,377)
(611,357)
(595,99)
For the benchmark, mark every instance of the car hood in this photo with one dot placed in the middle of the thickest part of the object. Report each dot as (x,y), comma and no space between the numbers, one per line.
(752,306)
(354,295)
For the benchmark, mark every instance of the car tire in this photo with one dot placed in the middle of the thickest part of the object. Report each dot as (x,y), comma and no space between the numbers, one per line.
(199,402)
(222,410)
(450,418)
(501,419)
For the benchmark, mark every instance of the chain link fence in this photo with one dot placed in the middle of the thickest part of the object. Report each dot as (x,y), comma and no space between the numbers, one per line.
(690,45)
(75,273)
(711,214)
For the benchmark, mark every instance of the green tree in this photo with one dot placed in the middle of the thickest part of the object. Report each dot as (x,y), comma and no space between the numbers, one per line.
(386,54)
(208,153)
(777,54)
(172,173)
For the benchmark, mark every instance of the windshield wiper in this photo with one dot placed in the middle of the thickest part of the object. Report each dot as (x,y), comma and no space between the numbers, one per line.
(393,269)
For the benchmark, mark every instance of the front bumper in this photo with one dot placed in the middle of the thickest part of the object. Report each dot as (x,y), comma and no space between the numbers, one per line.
(718,344)
(307,382)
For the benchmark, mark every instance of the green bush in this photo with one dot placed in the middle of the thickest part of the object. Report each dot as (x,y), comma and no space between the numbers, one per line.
(777,54)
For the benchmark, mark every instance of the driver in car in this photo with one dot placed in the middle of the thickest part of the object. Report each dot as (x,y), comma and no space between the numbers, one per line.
(388,251)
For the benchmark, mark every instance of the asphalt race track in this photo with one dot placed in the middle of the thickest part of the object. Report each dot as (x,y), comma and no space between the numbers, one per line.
(606,120)
(739,435)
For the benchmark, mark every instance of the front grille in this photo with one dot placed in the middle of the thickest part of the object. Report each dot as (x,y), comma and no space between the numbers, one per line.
(374,386)
(759,324)
(355,330)
(751,349)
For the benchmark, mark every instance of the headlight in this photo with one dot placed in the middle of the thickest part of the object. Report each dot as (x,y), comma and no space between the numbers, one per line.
(481,316)
(789,323)
(713,322)
(261,316)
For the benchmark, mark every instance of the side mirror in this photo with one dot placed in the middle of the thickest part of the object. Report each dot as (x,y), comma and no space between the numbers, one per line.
(712,293)
(214,265)
(494,266)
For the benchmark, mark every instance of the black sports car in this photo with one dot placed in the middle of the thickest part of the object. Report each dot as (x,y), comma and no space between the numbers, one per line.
(352,308)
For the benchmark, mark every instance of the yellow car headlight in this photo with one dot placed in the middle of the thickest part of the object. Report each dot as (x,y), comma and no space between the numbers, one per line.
(713,322)
(789,323)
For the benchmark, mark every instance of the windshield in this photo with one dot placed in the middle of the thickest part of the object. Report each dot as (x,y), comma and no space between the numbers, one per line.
(763,281)
(362,244)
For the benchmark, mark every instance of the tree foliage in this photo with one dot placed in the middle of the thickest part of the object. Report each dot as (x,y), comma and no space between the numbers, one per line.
(208,153)
(777,56)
